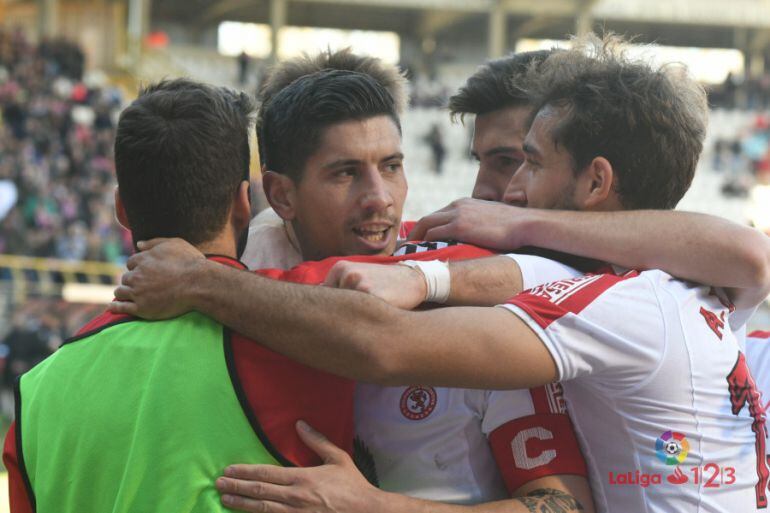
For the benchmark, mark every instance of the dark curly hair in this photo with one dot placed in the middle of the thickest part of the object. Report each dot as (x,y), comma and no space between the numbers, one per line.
(648,122)
(490,88)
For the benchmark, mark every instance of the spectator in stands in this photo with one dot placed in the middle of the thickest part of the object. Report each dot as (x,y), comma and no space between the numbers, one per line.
(243,67)
(32,338)
(435,140)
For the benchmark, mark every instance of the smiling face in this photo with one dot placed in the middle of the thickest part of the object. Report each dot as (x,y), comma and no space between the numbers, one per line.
(546,179)
(498,137)
(352,191)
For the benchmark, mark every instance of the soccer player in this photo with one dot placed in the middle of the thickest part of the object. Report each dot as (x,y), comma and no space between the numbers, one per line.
(127,415)
(652,369)
(333,169)
(502,115)
(272,240)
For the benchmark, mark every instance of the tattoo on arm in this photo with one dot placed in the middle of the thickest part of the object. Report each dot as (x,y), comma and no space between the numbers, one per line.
(549,500)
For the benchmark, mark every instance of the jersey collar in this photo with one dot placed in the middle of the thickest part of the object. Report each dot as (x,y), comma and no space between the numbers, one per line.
(226,260)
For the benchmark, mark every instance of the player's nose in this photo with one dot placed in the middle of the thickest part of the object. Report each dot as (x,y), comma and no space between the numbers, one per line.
(375,195)
(514,192)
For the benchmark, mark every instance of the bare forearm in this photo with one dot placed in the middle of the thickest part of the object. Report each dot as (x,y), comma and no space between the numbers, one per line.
(357,336)
(697,247)
(339,331)
(540,501)
(484,282)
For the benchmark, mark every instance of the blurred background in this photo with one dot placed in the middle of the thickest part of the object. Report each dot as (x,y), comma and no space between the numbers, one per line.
(67,67)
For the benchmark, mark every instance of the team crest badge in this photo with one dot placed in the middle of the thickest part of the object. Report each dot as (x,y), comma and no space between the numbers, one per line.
(418,402)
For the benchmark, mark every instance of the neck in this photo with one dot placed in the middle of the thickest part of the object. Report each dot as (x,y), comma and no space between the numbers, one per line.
(292,236)
(223,245)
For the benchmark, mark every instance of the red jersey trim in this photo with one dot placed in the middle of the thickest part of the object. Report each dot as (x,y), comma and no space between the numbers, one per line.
(226,260)
(552,301)
(548,399)
(98,323)
(314,272)
(22,468)
(760,334)
(536,446)
(18,494)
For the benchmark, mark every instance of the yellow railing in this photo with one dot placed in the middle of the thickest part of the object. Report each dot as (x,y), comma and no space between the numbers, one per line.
(47,276)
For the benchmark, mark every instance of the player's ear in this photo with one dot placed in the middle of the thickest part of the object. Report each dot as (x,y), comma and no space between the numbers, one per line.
(241,213)
(596,182)
(120,211)
(281,193)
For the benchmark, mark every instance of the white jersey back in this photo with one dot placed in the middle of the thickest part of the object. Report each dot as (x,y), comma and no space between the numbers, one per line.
(658,390)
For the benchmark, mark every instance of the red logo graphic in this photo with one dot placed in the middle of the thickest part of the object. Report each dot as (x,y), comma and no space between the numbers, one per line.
(677,477)
(715,323)
(710,475)
(418,402)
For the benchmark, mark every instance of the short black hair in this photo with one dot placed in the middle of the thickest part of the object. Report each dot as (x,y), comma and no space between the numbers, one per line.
(295,117)
(181,150)
(284,73)
(490,87)
(648,122)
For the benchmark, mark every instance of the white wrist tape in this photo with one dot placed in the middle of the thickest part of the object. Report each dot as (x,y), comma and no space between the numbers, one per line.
(437,278)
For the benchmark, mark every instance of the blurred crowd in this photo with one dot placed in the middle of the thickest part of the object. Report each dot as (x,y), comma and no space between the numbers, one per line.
(744,158)
(37,329)
(740,92)
(56,169)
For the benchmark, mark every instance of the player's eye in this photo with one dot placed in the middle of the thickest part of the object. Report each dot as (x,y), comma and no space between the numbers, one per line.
(532,163)
(394,167)
(344,172)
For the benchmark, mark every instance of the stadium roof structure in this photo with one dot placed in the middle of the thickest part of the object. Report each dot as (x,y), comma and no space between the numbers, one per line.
(496,24)
(743,24)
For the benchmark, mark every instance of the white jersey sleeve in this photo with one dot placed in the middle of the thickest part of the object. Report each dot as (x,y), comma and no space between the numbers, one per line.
(587,333)
(531,435)
(537,270)
(529,431)
(269,246)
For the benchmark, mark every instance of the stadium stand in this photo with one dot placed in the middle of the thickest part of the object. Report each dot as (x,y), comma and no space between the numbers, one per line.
(56,187)
(56,155)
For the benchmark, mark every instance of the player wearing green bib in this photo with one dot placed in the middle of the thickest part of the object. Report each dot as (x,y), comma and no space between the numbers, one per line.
(137,416)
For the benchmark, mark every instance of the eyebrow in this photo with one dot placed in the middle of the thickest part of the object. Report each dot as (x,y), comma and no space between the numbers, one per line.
(395,156)
(496,151)
(341,163)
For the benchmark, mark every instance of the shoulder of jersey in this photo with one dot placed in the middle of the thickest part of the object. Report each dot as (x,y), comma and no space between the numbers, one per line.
(102,321)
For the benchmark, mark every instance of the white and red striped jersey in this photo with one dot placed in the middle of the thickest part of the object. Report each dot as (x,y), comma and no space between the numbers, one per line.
(469,446)
(660,394)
